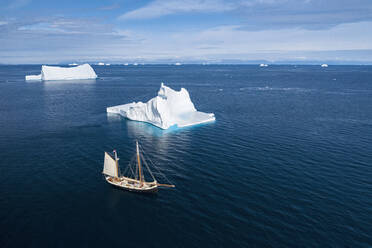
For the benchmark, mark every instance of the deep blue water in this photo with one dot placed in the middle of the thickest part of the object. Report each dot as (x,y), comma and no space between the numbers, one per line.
(288,162)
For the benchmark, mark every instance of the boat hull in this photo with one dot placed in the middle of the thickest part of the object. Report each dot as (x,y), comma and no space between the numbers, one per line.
(147,191)
(123,184)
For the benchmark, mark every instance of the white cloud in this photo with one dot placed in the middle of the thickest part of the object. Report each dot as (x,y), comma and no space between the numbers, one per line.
(56,39)
(249,3)
(160,8)
(264,14)
(232,39)
(61,25)
(235,43)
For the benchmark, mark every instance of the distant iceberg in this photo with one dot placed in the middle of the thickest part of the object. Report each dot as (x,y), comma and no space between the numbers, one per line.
(64,73)
(101,63)
(169,108)
(324,65)
(73,64)
(178,63)
(264,65)
(33,77)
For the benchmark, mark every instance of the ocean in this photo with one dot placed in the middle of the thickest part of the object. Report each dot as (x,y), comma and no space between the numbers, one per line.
(287,163)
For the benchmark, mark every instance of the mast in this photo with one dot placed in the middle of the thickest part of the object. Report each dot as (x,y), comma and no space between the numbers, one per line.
(117,164)
(139,163)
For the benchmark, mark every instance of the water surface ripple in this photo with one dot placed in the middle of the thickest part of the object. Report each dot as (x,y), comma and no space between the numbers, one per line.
(288,162)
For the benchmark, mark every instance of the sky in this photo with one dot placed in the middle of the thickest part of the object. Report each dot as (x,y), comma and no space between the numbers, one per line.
(188,31)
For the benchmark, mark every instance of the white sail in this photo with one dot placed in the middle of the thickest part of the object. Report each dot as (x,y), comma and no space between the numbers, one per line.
(110,167)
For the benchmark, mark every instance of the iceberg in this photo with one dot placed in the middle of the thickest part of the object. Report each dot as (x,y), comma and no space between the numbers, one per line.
(33,77)
(169,108)
(264,65)
(64,73)
(101,63)
(324,65)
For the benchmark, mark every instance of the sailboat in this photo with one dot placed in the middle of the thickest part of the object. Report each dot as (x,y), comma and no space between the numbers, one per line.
(137,182)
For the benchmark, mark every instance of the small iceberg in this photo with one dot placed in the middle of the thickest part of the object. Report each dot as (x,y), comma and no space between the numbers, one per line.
(108,64)
(73,64)
(177,63)
(33,77)
(169,108)
(264,65)
(101,63)
(135,64)
(64,73)
(324,65)
(126,64)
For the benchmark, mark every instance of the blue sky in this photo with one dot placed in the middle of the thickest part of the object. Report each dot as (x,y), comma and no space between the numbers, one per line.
(214,31)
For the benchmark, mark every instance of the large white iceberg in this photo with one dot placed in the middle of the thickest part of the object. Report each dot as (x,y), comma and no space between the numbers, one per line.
(84,71)
(168,108)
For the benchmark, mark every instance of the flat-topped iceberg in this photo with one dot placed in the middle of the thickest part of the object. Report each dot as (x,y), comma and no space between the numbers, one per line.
(84,71)
(33,77)
(168,108)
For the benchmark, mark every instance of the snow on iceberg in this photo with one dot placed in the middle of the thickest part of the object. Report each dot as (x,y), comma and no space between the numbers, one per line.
(168,108)
(64,73)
